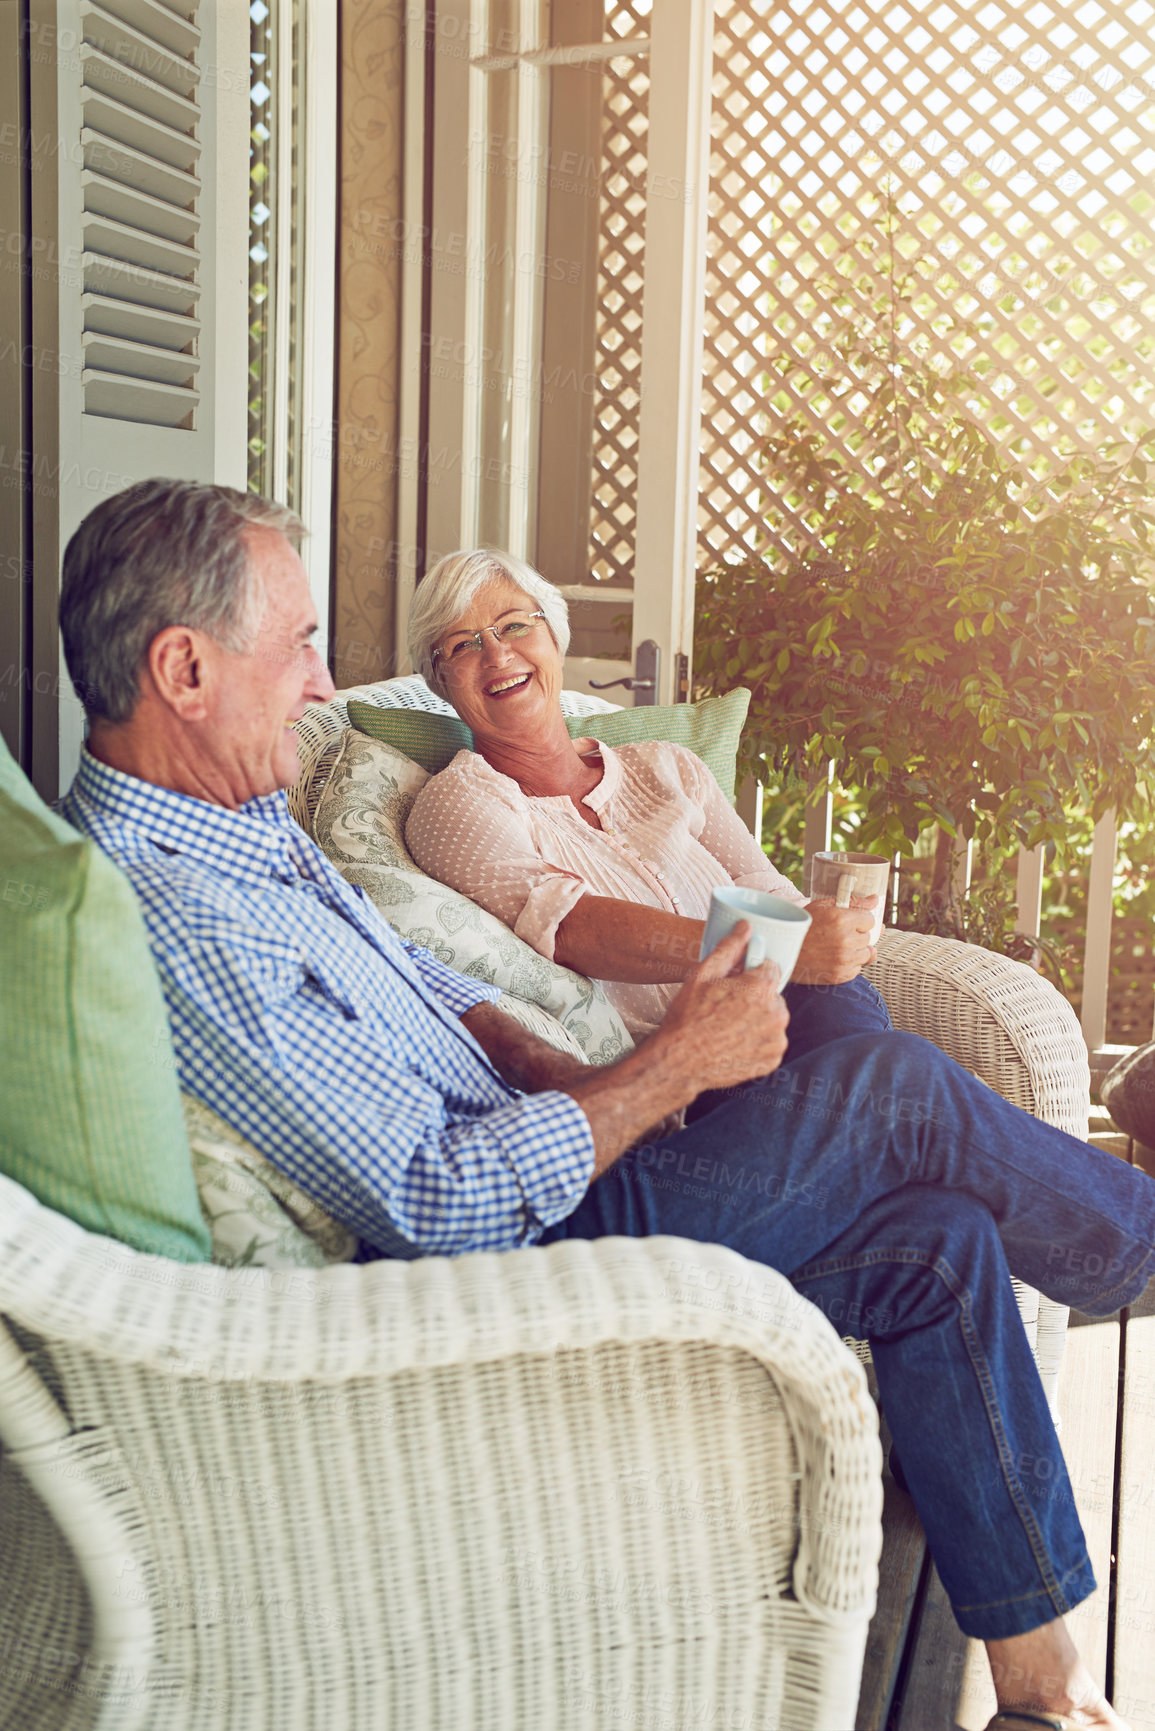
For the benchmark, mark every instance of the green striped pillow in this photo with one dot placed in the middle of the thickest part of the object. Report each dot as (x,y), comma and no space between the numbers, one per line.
(711,729)
(430,740)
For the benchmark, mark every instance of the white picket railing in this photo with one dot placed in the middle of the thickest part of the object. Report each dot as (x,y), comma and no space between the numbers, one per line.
(1097,939)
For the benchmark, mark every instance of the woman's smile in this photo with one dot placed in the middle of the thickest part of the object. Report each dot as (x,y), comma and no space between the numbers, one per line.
(509,682)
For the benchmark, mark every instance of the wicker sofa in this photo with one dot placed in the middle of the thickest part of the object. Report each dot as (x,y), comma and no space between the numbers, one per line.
(574,1487)
(590,1485)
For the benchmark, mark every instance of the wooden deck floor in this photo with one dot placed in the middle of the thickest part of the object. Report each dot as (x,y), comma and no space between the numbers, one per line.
(921,1674)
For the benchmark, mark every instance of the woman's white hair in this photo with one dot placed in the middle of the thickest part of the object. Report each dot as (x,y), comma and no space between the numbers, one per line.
(447,591)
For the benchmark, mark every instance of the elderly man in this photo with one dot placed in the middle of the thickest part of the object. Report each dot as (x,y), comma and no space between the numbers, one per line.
(882,1179)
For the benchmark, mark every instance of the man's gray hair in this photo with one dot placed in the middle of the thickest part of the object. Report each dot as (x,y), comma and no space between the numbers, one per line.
(447,591)
(161,553)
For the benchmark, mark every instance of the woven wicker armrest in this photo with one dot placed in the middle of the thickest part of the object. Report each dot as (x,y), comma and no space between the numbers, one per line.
(998,1018)
(223,1326)
(563,1459)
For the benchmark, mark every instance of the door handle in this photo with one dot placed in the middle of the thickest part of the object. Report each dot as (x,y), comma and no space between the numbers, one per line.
(644,679)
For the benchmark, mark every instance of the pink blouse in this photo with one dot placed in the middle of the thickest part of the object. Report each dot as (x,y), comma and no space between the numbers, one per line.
(667,838)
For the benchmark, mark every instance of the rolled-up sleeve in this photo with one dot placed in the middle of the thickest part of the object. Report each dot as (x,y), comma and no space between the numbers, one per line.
(546,906)
(543,1142)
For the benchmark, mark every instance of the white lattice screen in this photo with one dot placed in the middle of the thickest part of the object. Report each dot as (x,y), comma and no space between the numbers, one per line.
(621,247)
(1019,140)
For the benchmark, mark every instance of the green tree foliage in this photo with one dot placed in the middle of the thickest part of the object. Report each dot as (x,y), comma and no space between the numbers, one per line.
(972,645)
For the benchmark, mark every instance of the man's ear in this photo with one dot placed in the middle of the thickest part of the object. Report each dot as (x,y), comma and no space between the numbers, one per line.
(178,670)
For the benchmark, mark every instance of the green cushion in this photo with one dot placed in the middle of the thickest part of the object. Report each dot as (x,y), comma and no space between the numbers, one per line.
(90,1112)
(430,740)
(711,729)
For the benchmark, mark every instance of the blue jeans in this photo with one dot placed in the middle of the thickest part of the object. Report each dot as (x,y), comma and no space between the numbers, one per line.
(898,1194)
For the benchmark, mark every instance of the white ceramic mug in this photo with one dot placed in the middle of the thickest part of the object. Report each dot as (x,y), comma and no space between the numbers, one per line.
(777,926)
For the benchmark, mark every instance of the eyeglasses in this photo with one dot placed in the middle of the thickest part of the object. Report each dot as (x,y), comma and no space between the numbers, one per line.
(459,651)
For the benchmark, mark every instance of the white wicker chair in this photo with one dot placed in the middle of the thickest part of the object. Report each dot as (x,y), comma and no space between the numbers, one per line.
(598,1484)
(1008,1026)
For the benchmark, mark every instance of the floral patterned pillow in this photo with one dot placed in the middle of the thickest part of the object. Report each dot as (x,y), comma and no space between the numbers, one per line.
(359,818)
(257,1218)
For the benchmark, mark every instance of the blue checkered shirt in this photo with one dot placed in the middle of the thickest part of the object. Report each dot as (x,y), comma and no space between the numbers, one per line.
(301,1017)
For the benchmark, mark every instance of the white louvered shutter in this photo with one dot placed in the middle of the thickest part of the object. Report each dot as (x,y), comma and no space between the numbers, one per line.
(139,275)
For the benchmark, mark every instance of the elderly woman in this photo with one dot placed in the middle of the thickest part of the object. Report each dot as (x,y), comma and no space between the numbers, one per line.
(873,1165)
(603,859)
